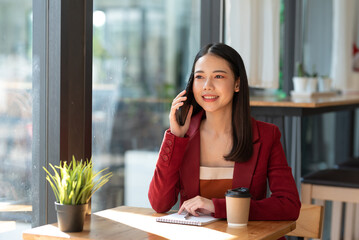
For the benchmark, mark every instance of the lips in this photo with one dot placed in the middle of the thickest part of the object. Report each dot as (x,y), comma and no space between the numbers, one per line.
(209,98)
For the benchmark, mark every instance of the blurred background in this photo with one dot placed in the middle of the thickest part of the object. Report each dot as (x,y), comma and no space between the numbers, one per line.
(142,55)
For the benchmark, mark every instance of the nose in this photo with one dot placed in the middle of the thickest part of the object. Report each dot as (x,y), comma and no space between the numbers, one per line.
(208,85)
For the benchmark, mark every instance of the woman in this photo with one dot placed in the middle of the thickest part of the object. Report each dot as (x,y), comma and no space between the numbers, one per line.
(220,147)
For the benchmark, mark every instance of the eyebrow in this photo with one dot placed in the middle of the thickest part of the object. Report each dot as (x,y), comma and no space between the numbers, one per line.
(215,71)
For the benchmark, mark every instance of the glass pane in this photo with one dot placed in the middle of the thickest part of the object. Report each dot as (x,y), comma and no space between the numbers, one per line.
(15,117)
(142,54)
(317,36)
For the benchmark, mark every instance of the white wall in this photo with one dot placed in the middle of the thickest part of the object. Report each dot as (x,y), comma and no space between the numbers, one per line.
(139,169)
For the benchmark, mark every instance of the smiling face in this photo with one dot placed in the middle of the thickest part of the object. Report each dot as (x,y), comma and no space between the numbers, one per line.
(214,83)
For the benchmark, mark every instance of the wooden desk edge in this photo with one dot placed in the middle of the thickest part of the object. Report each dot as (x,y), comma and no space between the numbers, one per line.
(283,232)
(31,234)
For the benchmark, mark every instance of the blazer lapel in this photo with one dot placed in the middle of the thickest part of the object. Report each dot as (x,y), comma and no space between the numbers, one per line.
(191,160)
(243,172)
(194,125)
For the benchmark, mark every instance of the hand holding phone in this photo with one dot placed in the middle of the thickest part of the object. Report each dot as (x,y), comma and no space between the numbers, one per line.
(180,114)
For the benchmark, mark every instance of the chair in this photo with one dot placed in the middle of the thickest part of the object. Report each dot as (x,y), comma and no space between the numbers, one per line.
(351,209)
(336,185)
(310,222)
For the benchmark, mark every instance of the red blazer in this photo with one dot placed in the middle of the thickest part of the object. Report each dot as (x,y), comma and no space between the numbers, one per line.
(177,172)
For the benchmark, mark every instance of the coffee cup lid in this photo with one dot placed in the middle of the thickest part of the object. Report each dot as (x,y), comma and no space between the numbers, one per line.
(240,192)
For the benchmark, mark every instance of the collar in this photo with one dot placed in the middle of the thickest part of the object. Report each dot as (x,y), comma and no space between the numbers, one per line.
(195,123)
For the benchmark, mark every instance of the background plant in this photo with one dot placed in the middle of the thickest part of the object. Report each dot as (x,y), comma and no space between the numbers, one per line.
(75,183)
(300,70)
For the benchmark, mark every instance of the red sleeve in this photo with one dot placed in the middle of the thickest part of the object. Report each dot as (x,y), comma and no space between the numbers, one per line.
(284,203)
(164,187)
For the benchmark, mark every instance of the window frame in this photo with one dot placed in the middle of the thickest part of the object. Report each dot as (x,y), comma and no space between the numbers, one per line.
(212,23)
(62,93)
(62,87)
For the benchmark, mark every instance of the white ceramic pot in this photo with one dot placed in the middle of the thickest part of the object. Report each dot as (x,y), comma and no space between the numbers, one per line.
(312,84)
(300,84)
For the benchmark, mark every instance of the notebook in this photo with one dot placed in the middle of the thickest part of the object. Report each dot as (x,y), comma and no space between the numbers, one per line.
(201,220)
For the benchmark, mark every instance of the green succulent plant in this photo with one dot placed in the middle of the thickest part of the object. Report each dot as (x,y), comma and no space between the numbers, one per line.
(300,70)
(75,183)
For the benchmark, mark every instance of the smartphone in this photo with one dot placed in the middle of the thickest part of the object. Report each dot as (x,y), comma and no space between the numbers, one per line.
(182,112)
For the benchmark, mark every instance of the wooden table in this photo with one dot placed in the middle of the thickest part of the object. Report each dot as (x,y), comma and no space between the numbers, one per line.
(140,223)
(274,109)
(303,106)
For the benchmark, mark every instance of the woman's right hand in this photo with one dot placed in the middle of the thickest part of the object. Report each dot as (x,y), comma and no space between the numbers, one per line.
(175,127)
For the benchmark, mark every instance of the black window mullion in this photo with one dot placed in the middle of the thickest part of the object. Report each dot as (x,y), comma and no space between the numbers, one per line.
(211,20)
(76,79)
(289,44)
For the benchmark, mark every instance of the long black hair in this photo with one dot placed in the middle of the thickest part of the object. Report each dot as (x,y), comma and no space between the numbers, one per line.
(241,117)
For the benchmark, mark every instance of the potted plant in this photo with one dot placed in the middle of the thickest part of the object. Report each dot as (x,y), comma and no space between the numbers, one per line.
(300,80)
(312,84)
(73,186)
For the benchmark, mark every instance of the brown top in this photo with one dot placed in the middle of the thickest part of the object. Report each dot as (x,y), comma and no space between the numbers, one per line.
(215,181)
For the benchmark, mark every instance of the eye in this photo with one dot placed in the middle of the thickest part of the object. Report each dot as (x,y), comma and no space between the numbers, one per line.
(198,77)
(219,76)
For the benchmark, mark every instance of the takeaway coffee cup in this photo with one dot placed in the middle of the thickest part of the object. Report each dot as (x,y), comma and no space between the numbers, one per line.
(237,206)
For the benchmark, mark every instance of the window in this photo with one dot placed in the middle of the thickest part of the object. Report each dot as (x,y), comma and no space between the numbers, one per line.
(15,117)
(142,55)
